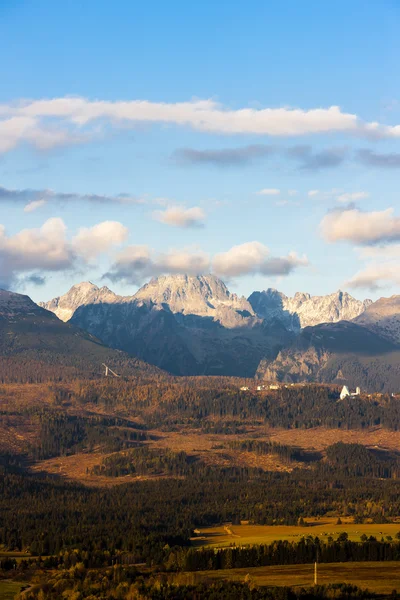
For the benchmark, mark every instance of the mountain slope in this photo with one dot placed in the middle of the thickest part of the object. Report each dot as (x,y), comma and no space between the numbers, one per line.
(34,336)
(344,352)
(383,318)
(304,310)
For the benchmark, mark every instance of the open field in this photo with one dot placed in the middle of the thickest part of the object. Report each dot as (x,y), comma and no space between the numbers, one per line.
(380,577)
(8,589)
(76,468)
(242,535)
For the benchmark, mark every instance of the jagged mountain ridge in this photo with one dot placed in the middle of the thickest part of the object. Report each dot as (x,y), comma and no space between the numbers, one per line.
(194,325)
(208,296)
(304,310)
(184,324)
(203,296)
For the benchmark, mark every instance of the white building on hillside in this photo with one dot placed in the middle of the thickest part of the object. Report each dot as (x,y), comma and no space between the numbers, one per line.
(345,393)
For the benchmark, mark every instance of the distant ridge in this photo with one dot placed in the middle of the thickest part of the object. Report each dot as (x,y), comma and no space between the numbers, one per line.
(304,310)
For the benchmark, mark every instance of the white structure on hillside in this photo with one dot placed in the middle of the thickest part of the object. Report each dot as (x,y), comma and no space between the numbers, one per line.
(108,371)
(345,393)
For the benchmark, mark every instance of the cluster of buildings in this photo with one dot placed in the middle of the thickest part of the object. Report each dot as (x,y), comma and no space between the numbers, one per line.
(345,393)
(264,388)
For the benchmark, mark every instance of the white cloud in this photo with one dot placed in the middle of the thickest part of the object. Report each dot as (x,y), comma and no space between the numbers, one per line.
(352,197)
(48,249)
(292,192)
(92,241)
(313,193)
(34,205)
(367,228)
(254,257)
(49,123)
(30,249)
(269,192)
(381,269)
(376,275)
(179,216)
(135,264)
(20,129)
(379,252)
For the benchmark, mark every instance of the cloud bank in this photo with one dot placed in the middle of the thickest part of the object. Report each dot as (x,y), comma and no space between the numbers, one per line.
(359,227)
(138,263)
(31,252)
(49,123)
(252,258)
(179,216)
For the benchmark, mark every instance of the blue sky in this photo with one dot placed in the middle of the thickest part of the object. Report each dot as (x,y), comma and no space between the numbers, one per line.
(236,100)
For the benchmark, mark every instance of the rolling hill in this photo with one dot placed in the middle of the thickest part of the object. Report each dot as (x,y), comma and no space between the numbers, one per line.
(35,342)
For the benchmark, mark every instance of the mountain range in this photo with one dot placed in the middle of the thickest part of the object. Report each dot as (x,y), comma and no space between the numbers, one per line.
(192,325)
(185,325)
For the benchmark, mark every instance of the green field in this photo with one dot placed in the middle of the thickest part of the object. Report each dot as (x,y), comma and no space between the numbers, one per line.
(242,535)
(8,589)
(380,577)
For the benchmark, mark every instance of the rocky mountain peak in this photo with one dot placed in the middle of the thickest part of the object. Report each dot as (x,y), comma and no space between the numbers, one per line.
(80,294)
(201,295)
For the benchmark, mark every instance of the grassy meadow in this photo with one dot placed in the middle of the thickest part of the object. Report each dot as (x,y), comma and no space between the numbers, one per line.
(380,577)
(242,535)
(9,589)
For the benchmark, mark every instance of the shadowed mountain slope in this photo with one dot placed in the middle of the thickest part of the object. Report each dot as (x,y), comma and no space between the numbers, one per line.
(31,334)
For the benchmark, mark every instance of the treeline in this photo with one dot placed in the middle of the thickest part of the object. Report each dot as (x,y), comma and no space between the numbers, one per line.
(342,460)
(62,434)
(355,460)
(146,461)
(283,552)
(211,405)
(284,452)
